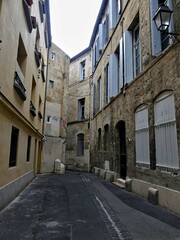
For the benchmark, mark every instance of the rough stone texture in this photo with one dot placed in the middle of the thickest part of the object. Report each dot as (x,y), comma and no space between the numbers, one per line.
(78,89)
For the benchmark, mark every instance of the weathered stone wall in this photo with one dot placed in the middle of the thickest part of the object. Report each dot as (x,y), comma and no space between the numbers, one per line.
(78,89)
(56,107)
(157,75)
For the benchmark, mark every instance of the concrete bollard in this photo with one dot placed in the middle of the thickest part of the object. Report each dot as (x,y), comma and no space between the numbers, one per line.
(153,195)
(128,184)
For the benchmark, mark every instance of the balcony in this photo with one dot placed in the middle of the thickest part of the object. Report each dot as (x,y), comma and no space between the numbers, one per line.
(28,15)
(29,2)
(18,84)
(43,72)
(32,109)
(40,114)
(34,22)
(37,55)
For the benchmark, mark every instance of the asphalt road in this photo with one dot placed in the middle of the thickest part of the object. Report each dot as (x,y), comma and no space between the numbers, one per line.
(80,206)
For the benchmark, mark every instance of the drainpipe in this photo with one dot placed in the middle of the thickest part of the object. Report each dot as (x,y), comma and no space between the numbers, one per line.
(122,33)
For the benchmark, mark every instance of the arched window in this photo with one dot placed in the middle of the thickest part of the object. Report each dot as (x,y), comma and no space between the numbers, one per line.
(106,134)
(165,131)
(142,135)
(99,139)
(80,144)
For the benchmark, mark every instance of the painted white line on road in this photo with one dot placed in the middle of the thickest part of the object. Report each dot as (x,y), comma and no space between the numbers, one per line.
(110,219)
(85,179)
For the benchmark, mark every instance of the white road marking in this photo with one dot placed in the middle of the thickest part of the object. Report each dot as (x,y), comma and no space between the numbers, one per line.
(110,219)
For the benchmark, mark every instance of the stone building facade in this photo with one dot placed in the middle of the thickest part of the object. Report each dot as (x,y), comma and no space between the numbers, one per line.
(55,127)
(78,110)
(134,123)
(24,41)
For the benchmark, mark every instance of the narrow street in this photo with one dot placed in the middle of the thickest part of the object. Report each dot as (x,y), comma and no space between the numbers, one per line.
(81,206)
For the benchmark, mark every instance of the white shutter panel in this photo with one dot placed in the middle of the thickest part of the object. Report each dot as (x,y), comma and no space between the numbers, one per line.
(165,132)
(128,57)
(113,75)
(112,13)
(142,136)
(155,34)
(121,64)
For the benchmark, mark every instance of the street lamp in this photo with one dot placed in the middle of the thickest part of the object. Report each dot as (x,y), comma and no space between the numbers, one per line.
(162,19)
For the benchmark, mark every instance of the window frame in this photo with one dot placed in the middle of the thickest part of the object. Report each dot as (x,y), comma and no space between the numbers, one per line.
(80,145)
(13,147)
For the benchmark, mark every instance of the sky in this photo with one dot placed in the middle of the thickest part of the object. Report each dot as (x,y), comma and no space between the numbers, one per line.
(72,23)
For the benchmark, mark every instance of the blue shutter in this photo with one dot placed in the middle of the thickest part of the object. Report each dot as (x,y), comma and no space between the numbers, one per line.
(121,64)
(93,58)
(113,75)
(128,57)
(155,34)
(97,49)
(112,13)
(101,36)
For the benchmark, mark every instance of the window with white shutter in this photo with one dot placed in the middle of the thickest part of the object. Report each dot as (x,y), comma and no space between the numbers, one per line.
(142,135)
(165,131)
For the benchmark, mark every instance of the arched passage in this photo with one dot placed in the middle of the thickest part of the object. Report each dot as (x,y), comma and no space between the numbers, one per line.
(122,148)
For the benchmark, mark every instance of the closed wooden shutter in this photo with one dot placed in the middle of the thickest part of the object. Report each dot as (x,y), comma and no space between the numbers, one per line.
(142,135)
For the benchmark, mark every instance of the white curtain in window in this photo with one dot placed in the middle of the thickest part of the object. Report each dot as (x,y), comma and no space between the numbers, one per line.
(142,135)
(165,132)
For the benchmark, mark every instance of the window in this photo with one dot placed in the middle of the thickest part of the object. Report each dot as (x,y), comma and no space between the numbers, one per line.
(160,41)
(53,56)
(82,70)
(80,144)
(99,139)
(165,131)
(106,136)
(94,99)
(51,84)
(106,80)
(40,108)
(136,51)
(28,149)
(142,135)
(33,98)
(132,53)
(22,56)
(81,109)
(13,147)
(48,119)
(99,95)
